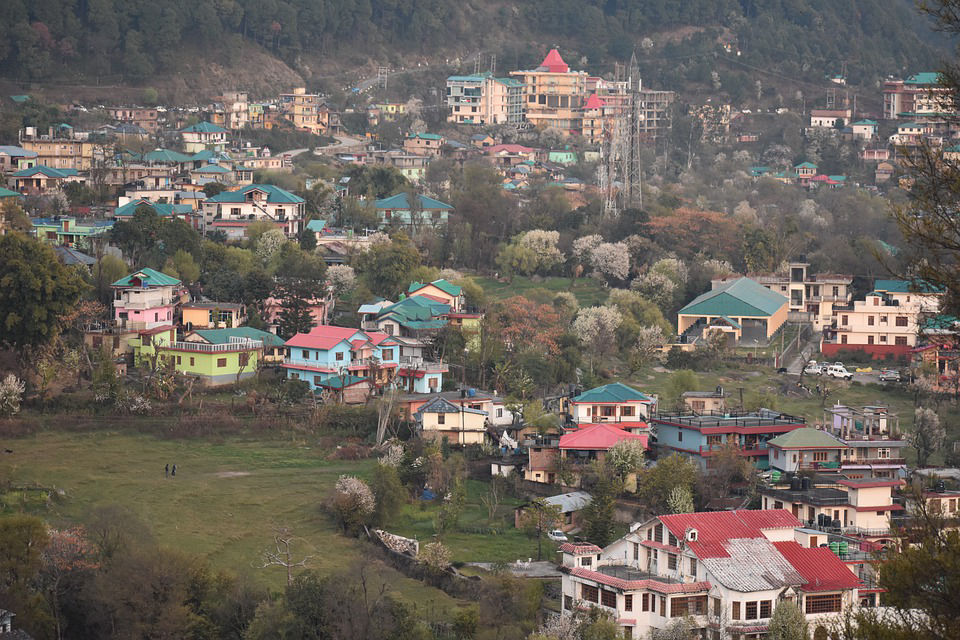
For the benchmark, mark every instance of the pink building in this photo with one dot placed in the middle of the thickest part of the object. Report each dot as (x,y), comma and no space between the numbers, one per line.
(321,309)
(145,299)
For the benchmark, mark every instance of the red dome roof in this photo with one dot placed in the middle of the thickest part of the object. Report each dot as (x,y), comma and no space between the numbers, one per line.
(554,63)
(594,102)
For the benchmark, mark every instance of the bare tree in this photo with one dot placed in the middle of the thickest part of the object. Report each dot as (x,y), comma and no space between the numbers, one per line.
(281,555)
(385,414)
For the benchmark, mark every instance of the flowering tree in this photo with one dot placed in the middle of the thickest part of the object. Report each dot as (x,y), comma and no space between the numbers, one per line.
(525,323)
(67,552)
(435,555)
(612,259)
(626,457)
(544,245)
(352,502)
(674,269)
(680,500)
(596,328)
(583,247)
(649,341)
(11,393)
(342,279)
(269,243)
(657,288)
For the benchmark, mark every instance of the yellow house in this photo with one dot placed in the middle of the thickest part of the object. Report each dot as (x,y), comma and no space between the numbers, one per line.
(439,291)
(746,311)
(212,315)
(440,418)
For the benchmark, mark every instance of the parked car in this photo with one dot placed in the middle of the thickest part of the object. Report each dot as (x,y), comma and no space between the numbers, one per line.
(557,535)
(889,375)
(838,371)
(812,368)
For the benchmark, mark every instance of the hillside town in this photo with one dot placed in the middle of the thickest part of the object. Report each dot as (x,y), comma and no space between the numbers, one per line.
(556,356)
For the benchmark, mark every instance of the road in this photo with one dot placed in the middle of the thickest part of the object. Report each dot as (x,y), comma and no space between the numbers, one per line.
(343,142)
(364,85)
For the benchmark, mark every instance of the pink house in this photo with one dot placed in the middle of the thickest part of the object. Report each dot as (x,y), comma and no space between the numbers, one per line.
(145,299)
(320,309)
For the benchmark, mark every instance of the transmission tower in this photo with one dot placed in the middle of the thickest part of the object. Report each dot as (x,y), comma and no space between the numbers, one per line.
(493,64)
(382,73)
(621,169)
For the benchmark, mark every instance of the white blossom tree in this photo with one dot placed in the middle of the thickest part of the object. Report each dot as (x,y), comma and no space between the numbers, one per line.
(626,457)
(596,329)
(544,245)
(342,279)
(928,434)
(680,500)
(583,247)
(269,243)
(612,259)
(787,622)
(352,502)
(657,288)
(673,268)
(647,346)
(11,394)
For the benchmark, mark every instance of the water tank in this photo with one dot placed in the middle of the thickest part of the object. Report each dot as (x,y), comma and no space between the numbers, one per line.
(941,487)
(805,484)
(837,524)
(844,547)
(835,547)
(471,392)
(795,484)
(775,476)
(822,520)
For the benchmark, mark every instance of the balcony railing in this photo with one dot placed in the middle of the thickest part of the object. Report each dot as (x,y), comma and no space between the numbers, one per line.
(234,345)
(145,304)
(860,461)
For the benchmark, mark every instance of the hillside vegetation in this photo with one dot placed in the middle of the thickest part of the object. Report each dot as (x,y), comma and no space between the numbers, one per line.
(132,41)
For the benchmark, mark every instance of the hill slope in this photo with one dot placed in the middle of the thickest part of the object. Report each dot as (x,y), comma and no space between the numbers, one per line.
(134,41)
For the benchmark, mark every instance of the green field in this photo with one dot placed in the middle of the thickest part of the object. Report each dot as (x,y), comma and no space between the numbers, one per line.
(222,505)
(589,292)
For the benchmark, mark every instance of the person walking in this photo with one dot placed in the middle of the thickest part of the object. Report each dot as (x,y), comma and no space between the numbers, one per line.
(174,471)
(166,470)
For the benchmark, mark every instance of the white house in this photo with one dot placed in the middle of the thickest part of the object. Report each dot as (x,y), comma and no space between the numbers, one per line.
(233,211)
(725,570)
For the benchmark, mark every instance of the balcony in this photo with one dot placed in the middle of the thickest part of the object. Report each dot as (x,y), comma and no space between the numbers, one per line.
(202,347)
(141,305)
(900,462)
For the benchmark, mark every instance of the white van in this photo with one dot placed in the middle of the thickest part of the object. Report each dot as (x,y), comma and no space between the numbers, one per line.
(838,371)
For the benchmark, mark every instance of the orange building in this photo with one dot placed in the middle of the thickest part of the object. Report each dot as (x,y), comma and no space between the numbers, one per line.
(553,95)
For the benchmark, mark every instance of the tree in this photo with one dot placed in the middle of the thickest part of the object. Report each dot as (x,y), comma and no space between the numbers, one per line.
(680,500)
(680,629)
(281,554)
(596,327)
(385,267)
(598,516)
(435,555)
(787,622)
(295,314)
(352,503)
(11,393)
(22,542)
(612,259)
(67,554)
(342,278)
(37,292)
(388,492)
(13,217)
(648,345)
(182,265)
(654,484)
(680,382)
(626,457)
(928,434)
(538,518)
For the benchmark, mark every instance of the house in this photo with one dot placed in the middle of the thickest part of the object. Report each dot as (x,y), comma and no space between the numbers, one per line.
(347,388)
(580,448)
(439,419)
(71,257)
(397,210)
(562,157)
(700,436)
(304,111)
(920,94)
(59,148)
(144,117)
(596,121)
(883,173)
(439,291)
(876,154)
(570,505)
(212,173)
(214,357)
(724,571)
(856,507)
(145,299)
(613,403)
(875,444)
(484,99)
(41,179)
(413,316)
(705,401)
(552,94)
(327,351)
(424,144)
(910,133)
(212,315)
(321,308)
(70,232)
(804,172)
(233,211)
(183,212)
(830,118)
(14,158)
(204,135)
(806,449)
(744,310)
(864,129)
(498,415)
(812,297)
(886,322)
(482,140)
(167,157)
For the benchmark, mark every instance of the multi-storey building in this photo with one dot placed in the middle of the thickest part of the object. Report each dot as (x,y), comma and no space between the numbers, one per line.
(59,149)
(852,506)
(615,403)
(874,442)
(204,136)
(830,118)
(41,179)
(236,109)
(145,117)
(233,211)
(484,99)
(701,435)
(885,322)
(424,144)
(812,297)
(70,232)
(553,95)
(920,95)
(724,571)
(146,299)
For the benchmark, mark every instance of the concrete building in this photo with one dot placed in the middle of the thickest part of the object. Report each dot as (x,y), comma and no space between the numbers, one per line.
(145,117)
(483,99)
(233,211)
(742,309)
(553,95)
(918,95)
(145,299)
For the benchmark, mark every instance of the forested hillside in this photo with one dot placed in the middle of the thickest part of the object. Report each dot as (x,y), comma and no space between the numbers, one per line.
(136,39)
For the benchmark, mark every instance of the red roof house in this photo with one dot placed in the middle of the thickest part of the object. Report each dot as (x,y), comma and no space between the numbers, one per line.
(598,437)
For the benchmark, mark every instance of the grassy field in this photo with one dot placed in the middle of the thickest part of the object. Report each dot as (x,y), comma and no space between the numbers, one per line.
(222,504)
(589,292)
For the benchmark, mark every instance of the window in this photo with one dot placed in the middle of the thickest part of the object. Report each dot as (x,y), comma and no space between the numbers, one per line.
(716,607)
(568,603)
(765,606)
(658,533)
(823,604)
(750,611)
(869,321)
(672,539)
(901,340)
(608,411)
(234,211)
(671,561)
(339,356)
(836,291)
(883,338)
(499,413)
(901,321)
(692,605)
(663,606)
(883,453)
(387,354)
(819,456)
(221,362)
(628,602)
(178,359)
(645,602)
(636,551)
(305,354)
(441,418)
(244,359)
(714,440)
(693,567)
(843,339)
(845,319)
(626,411)
(679,435)
(736,611)
(589,593)
(317,380)
(191,361)
(608,599)
(586,561)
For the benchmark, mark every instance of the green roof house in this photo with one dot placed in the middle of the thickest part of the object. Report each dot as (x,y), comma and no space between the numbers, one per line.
(397,210)
(203,135)
(746,311)
(233,211)
(162,209)
(614,402)
(806,449)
